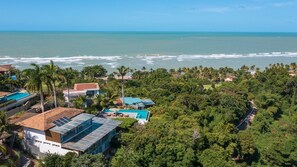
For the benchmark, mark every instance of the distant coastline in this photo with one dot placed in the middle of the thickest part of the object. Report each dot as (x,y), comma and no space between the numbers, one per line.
(150,49)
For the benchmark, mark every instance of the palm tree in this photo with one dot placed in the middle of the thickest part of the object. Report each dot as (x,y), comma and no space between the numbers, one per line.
(52,72)
(68,76)
(121,72)
(103,101)
(35,78)
(143,68)
(80,102)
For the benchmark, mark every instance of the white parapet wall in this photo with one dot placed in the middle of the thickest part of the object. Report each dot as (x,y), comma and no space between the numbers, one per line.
(35,142)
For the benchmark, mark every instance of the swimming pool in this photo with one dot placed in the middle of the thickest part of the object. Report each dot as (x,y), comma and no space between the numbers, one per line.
(17,96)
(141,114)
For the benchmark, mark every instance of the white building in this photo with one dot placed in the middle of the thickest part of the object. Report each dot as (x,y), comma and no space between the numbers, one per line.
(82,89)
(64,130)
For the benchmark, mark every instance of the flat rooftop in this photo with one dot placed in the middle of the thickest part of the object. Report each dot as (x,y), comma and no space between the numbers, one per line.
(73,123)
(100,128)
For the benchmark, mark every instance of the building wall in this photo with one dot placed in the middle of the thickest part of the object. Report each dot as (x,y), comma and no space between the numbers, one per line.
(52,136)
(35,141)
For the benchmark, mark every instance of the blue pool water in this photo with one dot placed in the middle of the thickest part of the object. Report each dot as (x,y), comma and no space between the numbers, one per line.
(141,114)
(17,96)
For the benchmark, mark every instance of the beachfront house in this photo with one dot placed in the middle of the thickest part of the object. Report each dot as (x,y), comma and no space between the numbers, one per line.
(82,89)
(137,103)
(6,69)
(63,130)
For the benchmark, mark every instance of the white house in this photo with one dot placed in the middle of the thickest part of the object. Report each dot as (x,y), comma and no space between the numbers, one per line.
(63,130)
(82,89)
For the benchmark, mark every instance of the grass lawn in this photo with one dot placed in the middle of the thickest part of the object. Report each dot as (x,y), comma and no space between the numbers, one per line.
(207,87)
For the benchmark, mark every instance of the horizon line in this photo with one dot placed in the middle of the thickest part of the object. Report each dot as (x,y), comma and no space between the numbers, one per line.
(152,31)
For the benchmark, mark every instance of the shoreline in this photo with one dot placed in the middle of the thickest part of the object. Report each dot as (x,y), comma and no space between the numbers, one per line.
(154,61)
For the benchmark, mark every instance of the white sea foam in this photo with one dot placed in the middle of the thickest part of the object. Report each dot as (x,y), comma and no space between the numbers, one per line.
(150,59)
(58,59)
(112,64)
(234,56)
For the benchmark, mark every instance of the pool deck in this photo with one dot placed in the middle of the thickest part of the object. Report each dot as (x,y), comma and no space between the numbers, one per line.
(18,103)
(112,114)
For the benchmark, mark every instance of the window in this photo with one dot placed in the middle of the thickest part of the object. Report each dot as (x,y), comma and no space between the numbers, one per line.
(37,141)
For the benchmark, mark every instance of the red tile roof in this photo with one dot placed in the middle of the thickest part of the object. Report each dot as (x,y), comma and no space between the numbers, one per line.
(85,86)
(4,68)
(44,121)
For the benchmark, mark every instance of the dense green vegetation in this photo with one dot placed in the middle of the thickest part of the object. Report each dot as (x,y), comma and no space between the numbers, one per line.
(73,160)
(194,125)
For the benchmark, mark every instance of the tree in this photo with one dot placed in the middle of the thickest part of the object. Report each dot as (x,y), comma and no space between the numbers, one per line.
(80,102)
(68,77)
(94,71)
(89,160)
(34,81)
(103,101)
(53,160)
(122,71)
(3,122)
(52,73)
(247,146)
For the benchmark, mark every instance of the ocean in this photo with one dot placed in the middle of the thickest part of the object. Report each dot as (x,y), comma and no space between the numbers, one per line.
(149,49)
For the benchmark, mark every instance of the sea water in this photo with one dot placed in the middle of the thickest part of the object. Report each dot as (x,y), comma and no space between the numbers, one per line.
(149,49)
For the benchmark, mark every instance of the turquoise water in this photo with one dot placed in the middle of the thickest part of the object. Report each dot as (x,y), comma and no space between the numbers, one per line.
(141,114)
(149,49)
(17,96)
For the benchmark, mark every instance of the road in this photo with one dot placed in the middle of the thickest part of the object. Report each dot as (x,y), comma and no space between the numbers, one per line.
(244,124)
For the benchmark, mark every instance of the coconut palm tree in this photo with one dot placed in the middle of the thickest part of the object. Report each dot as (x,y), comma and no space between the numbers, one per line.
(68,76)
(122,71)
(53,75)
(80,102)
(103,101)
(35,78)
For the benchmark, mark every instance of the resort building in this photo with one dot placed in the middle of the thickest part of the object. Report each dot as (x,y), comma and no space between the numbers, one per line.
(82,89)
(63,130)
(137,103)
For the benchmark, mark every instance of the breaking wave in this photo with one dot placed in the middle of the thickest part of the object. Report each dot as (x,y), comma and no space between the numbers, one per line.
(145,59)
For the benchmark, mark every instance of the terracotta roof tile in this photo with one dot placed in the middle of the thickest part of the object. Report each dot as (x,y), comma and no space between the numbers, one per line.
(43,121)
(5,67)
(84,86)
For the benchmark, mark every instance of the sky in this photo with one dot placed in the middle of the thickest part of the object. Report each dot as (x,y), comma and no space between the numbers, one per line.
(149,15)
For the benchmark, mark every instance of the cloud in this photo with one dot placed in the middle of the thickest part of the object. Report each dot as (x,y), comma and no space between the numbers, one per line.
(224,9)
(283,4)
(215,9)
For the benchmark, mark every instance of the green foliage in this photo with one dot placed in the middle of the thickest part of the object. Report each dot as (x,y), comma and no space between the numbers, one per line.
(3,122)
(74,160)
(94,71)
(53,160)
(89,160)
(127,123)
(195,125)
